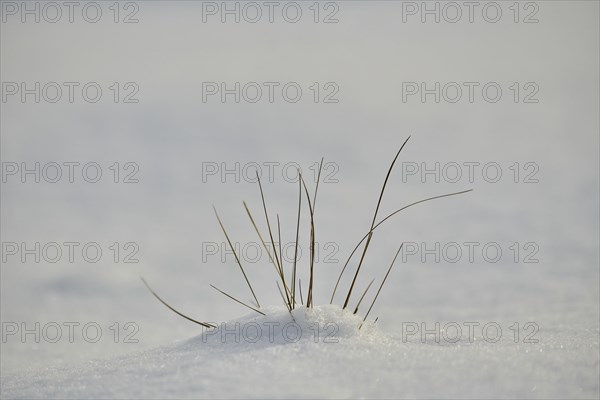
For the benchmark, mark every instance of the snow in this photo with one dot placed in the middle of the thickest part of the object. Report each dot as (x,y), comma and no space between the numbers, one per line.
(345,362)
(171,133)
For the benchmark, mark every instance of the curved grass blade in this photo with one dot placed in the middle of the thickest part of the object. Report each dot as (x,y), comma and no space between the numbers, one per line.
(300,287)
(287,305)
(309,301)
(260,236)
(264,244)
(383,282)
(387,177)
(381,222)
(279,244)
(317,185)
(296,246)
(234,299)
(280,269)
(236,256)
(363,296)
(374,219)
(204,324)
(262,196)
(359,264)
(281,263)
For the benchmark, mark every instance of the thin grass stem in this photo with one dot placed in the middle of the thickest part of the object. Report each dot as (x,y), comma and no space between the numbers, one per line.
(309,301)
(363,296)
(234,299)
(287,305)
(359,264)
(260,236)
(387,177)
(236,256)
(383,282)
(314,203)
(296,246)
(204,324)
(264,243)
(262,196)
(287,294)
(381,222)
(280,252)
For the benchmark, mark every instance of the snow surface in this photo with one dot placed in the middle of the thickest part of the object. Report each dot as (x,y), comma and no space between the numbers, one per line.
(170,133)
(294,361)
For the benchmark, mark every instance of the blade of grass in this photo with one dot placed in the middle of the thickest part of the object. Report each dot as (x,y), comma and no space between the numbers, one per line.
(309,297)
(287,305)
(287,294)
(234,299)
(381,222)
(280,252)
(383,282)
(296,246)
(387,177)
(263,243)
(312,245)
(285,302)
(300,287)
(262,196)
(374,219)
(363,296)
(419,202)
(236,256)
(359,264)
(312,232)
(260,236)
(279,238)
(204,324)
(317,185)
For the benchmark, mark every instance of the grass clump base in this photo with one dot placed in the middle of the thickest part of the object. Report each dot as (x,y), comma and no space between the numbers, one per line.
(324,324)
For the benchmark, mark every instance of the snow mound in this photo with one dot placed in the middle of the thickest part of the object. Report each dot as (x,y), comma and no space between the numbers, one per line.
(322,353)
(272,355)
(321,324)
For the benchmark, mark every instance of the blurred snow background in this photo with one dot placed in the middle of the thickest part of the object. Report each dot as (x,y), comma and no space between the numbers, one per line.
(170,133)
